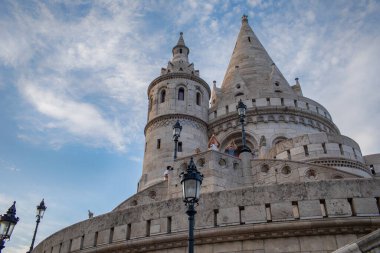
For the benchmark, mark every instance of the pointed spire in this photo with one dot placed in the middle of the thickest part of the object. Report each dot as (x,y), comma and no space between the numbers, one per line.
(255,65)
(180,51)
(181,41)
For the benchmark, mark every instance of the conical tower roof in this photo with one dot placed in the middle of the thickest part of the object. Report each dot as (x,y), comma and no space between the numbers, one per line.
(255,67)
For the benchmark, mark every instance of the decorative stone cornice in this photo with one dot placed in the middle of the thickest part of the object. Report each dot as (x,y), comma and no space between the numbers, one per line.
(179,75)
(174,117)
(260,111)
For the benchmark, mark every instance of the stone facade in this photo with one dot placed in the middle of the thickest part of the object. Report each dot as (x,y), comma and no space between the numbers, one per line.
(303,188)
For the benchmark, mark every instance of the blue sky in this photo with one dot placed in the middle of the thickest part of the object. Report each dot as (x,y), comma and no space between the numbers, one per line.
(74,74)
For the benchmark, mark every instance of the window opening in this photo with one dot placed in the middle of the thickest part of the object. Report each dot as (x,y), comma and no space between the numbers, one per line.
(179,146)
(158,143)
(306,150)
(249,39)
(163,94)
(181,94)
(198,98)
(226,109)
(282,101)
(180,50)
(341,149)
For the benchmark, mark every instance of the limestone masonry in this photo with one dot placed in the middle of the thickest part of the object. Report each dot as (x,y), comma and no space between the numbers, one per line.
(303,188)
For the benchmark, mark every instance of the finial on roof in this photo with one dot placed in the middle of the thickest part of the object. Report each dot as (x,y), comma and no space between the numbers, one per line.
(181,33)
(214,82)
(244,19)
(297,80)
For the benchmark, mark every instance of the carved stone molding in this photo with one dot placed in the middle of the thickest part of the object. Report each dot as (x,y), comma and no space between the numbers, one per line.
(180,75)
(170,119)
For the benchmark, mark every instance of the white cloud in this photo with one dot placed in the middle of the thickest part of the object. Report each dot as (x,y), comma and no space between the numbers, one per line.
(78,118)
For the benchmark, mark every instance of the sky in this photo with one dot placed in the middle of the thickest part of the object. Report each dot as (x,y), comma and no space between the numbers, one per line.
(74,75)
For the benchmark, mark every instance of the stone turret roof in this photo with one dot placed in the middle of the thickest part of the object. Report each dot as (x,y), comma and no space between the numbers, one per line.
(255,67)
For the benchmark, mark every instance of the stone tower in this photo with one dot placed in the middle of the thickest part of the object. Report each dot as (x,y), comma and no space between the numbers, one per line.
(177,94)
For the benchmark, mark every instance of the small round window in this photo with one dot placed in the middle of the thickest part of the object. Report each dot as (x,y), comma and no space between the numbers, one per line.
(265,168)
(238,86)
(286,170)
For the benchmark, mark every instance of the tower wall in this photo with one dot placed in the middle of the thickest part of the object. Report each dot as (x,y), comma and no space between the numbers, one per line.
(167,106)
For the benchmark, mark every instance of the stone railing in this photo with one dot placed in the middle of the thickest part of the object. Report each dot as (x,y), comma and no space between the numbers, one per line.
(274,211)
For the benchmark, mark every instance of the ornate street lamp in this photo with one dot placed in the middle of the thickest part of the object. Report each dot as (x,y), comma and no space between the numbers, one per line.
(191,181)
(39,215)
(241,109)
(177,128)
(8,222)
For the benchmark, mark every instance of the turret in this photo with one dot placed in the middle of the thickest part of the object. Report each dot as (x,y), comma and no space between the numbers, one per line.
(177,94)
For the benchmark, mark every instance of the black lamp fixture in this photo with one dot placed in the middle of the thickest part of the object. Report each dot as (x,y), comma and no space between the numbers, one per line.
(40,211)
(191,181)
(177,128)
(8,222)
(242,109)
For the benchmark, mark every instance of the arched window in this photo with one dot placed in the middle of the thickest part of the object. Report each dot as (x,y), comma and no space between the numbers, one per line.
(162,96)
(181,94)
(198,98)
(180,50)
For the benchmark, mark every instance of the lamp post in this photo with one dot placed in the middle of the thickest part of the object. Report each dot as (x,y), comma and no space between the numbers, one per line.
(39,215)
(242,108)
(8,222)
(177,128)
(191,181)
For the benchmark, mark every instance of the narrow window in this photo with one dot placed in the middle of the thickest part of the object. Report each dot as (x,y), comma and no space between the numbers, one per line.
(129,227)
(352,206)
(51,250)
(268,212)
(180,69)
(317,109)
(110,239)
(96,239)
(254,102)
(268,101)
(179,146)
(282,101)
(215,114)
(147,228)
(162,96)
(70,244)
(158,143)
(241,209)
(198,98)
(306,150)
(325,114)
(60,248)
(322,203)
(169,228)
(307,106)
(180,50)
(378,203)
(295,103)
(249,39)
(146,144)
(296,212)
(216,211)
(288,153)
(353,150)
(181,94)
(81,242)
(341,149)
(324,148)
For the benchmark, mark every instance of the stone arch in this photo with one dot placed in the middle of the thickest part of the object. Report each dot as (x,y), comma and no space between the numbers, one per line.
(237,138)
(278,138)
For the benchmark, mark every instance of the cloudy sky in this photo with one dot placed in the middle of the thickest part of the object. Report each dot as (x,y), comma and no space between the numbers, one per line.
(74,74)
